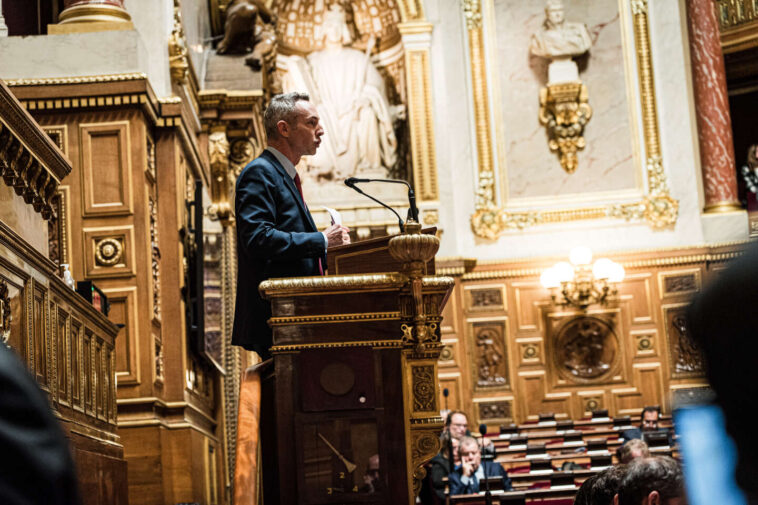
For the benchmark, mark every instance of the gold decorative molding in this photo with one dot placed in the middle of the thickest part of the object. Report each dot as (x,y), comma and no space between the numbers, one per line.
(334,318)
(565,110)
(273,288)
(94,13)
(218,155)
(177,49)
(30,162)
(472,10)
(657,208)
(421,123)
(88,79)
(738,21)
(279,349)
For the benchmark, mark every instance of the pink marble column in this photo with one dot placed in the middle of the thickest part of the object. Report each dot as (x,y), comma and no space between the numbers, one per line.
(714,125)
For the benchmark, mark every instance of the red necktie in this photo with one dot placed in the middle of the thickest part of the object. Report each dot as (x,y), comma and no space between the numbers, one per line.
(300,190)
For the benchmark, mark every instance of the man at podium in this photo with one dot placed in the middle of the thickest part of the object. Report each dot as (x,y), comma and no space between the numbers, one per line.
(276,235)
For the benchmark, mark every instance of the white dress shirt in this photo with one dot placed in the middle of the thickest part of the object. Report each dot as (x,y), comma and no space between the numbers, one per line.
(292,172)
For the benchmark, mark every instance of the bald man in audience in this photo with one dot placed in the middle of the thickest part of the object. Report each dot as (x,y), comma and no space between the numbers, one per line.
(466,478)
(632,450)
(652,481)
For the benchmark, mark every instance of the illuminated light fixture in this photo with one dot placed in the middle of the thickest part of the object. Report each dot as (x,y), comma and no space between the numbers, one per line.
(582,283)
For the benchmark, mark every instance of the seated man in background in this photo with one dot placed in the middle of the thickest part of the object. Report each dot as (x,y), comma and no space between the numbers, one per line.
(648,423)
(631,450)
(466,478)
(601,487)
(440,466)
(456,424)
(652,481)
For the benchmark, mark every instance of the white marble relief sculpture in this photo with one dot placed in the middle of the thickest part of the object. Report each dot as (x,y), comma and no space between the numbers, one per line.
(350,96)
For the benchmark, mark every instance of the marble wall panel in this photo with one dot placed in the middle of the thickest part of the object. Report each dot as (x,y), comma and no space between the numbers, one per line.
(529,168)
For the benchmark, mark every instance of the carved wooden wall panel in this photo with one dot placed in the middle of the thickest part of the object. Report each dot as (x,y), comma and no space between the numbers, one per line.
(124,312)
(637,289)
(636,354)
(489,354)
(105,168)
(685,356)
(528,298)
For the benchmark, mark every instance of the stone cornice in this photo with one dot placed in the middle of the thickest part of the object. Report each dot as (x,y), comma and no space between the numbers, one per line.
(30,162)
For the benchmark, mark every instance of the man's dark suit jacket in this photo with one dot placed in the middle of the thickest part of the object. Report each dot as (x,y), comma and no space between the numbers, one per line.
(491,469)
(276,237)
(35,463)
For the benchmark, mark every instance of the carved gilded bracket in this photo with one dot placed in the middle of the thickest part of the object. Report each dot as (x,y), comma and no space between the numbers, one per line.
(565,111)
(218,153)
(490,220)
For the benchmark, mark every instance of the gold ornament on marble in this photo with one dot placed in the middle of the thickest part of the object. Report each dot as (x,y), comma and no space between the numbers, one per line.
(177,49)
(108,252)
(658,208)
(472,10)
(564,110)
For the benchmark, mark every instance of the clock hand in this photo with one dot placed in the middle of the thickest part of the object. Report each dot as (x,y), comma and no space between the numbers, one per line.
(350,466)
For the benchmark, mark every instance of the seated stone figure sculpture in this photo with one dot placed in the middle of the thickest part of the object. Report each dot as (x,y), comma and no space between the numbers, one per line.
(350,96)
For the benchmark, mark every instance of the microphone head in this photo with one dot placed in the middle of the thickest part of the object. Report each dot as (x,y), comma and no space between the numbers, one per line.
(482,429)
(445,392)
(349,181)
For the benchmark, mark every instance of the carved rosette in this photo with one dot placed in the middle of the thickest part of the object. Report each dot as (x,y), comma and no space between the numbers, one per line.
(565,112)
(108,252)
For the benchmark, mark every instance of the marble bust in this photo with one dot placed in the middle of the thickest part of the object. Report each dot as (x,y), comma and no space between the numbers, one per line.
(560,41)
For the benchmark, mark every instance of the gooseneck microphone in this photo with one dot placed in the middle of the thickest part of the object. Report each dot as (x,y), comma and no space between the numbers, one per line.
(351,182)
(412,212)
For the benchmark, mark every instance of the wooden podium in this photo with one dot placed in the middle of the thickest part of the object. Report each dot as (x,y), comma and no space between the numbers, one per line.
(354,379)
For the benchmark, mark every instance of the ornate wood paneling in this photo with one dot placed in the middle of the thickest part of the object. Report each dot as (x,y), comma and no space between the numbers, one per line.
(105,163)
(489,354)
(621,357)
(109,251)
(685,357)
(124,312)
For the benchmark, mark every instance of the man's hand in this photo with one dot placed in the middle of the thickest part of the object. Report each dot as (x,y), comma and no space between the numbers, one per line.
(467,467)
(337,235)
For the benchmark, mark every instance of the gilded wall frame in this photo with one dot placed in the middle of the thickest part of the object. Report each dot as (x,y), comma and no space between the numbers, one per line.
(491,217)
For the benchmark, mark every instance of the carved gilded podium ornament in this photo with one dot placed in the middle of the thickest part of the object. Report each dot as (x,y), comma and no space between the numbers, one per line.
(565,112)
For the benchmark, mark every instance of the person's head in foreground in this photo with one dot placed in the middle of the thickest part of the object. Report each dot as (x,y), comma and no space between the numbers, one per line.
(601,487)
(631,450)
(652,481)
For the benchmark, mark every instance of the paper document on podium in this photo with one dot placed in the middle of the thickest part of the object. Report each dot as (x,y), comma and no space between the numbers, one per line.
(335,215)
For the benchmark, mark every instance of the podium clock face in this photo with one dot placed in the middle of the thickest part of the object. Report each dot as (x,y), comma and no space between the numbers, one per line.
(340,459)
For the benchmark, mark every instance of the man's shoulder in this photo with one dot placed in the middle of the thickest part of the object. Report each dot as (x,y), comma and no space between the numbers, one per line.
(262,166)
